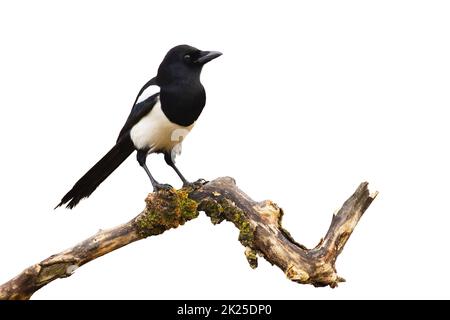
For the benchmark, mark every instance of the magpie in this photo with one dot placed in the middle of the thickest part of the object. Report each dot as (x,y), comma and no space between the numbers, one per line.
(163,113)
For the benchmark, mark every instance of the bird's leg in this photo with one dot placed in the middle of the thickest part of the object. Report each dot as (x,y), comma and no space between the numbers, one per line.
(186,183)
(141,158)
(171,163)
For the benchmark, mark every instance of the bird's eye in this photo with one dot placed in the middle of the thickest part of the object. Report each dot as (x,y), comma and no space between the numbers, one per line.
(187,57)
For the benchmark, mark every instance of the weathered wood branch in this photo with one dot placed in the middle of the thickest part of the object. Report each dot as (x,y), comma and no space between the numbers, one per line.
(260,231)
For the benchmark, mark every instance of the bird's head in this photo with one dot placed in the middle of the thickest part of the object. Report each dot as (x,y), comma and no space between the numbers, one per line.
(183,63)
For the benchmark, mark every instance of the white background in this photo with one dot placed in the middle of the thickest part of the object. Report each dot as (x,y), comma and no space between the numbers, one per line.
(308,100)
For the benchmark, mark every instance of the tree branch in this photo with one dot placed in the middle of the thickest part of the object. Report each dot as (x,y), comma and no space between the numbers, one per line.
(259,224)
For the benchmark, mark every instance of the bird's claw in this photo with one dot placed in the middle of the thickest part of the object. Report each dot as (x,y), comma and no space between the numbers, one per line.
(196,184)
(162,186)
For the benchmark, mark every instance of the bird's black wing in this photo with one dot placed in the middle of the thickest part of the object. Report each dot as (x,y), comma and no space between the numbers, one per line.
(140,109)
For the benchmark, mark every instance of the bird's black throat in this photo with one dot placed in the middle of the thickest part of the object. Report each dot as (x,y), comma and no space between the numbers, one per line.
(183,102)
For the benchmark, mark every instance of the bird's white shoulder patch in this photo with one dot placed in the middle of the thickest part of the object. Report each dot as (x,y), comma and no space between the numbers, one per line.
(156,132)
(151,90)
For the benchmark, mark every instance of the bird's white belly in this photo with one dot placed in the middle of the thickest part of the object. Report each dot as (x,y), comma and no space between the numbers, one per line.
(156,132)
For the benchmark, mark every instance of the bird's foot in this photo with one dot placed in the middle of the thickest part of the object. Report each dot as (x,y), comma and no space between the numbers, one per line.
(195,185)
(161,186)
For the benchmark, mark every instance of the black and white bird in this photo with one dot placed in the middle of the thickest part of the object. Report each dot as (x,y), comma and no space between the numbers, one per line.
(164,112)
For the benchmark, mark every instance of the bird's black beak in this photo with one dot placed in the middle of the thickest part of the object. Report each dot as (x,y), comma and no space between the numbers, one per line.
(207,56)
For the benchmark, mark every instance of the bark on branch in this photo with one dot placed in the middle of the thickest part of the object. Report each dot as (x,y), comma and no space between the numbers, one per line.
(260,231)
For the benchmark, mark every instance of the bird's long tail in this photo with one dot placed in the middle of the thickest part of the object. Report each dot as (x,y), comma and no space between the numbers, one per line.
(87,184)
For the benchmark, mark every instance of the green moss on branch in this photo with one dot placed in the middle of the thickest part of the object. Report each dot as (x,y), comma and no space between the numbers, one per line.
(165,210)
(223,209)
